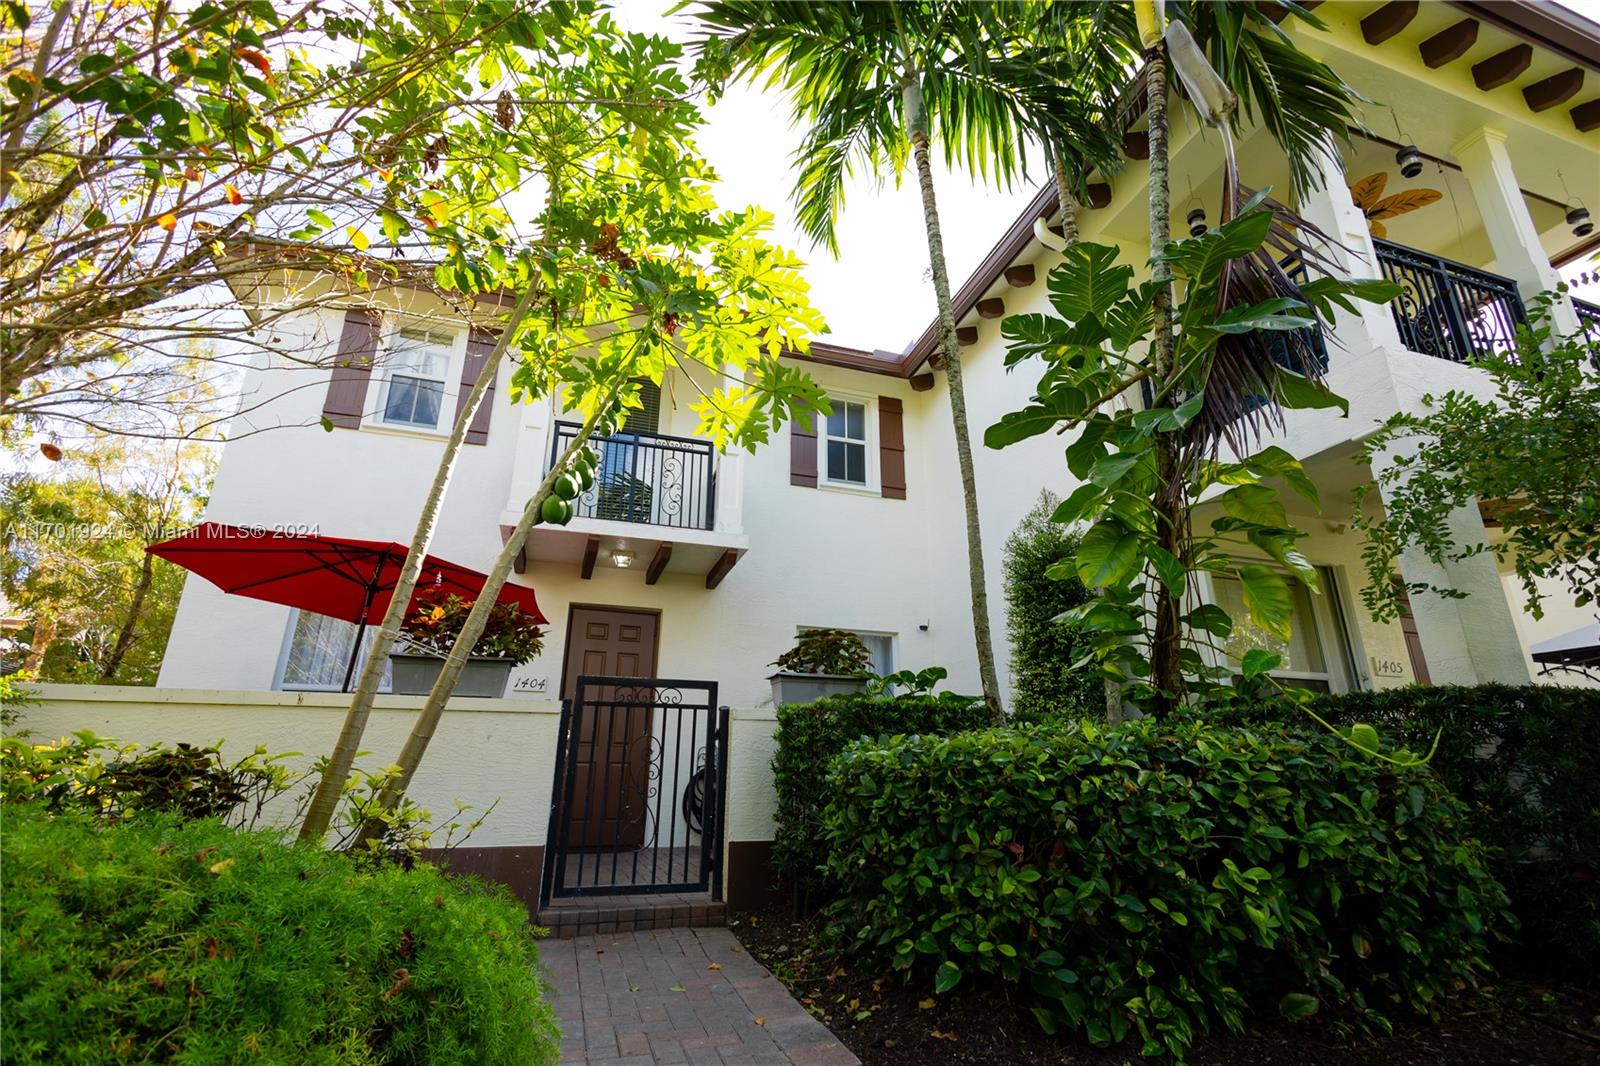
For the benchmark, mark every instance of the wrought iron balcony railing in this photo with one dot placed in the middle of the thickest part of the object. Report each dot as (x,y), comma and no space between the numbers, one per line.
(649,478)
(1447,309)
(1589,319)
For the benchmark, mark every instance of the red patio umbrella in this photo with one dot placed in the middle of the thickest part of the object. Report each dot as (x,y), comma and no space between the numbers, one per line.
(349,579)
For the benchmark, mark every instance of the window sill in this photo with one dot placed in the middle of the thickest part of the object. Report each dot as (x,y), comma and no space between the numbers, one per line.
(849,489)
(403,431)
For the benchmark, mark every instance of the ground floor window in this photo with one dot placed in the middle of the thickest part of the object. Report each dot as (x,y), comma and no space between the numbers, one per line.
(317,653)
(1313,655)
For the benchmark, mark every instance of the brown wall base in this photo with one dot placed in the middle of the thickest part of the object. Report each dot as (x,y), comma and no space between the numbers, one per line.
(749,883)
(518,868)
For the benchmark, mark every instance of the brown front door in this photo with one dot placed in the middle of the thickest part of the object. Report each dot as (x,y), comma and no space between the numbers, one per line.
(610,770)
(1408,626)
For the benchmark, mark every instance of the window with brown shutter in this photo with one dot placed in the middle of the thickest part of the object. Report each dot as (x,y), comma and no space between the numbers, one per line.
(352,371)
(803,452)
(480,345)
(891,448)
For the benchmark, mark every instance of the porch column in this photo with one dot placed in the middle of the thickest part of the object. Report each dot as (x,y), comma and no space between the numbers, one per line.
(1332,210)
(1470,640)
(1518,253)
(730,491)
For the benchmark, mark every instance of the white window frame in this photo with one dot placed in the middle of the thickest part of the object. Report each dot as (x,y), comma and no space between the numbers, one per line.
(873,483)
(449,384)
(892,641)
(280,685)
(1338,644)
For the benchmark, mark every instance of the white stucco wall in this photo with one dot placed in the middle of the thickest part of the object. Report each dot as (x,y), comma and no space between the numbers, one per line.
(485,752)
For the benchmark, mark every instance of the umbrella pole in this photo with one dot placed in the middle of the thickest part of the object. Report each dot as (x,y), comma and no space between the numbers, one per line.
(361,626)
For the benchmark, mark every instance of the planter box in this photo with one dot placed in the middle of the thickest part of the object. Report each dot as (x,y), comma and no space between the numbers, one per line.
(414,675)
(804,688)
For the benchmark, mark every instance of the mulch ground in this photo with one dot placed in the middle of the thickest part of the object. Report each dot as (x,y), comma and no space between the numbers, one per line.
(1519,1021)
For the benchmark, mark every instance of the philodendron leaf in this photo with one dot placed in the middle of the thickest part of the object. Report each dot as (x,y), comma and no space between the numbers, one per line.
(1108,553)
(1255,503)
(1258,661)
(1267,598)
(1210,618)
(1297,1005)
(947,976)
(1020,425)
(1088,282)
(1298,393)
(1170,569)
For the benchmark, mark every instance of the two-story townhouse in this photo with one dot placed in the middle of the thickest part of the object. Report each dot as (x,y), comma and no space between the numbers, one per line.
(691,564)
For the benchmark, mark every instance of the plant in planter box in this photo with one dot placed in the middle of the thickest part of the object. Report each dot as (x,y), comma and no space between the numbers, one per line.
(430,630)
(823,662)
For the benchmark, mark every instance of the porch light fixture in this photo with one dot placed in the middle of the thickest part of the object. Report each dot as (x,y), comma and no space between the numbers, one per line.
(1577,215)
(1410,160)
(622,557)
(1197,221)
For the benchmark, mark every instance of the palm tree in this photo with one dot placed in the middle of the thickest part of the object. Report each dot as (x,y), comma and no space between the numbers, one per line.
(876,82)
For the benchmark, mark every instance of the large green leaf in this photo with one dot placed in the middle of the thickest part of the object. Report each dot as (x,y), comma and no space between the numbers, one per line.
(1108,554)
(1268,314)
(1298,393)
(1088,283)
(1201,259)
(1255,503)
(1083,499)
(1273,461)
(1267,598)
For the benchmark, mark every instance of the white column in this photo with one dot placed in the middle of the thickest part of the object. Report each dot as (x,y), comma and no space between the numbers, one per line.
(1518,253)
(1331,210)
(1469,640)
(730,481)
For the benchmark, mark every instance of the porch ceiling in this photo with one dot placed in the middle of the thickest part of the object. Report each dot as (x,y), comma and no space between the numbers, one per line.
(588,544)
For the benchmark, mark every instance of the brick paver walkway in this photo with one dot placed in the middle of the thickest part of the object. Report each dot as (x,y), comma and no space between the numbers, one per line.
(678,996)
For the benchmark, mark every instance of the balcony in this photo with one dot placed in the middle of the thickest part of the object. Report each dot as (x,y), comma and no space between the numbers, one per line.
(660,505)
(1447,309)
(648,478)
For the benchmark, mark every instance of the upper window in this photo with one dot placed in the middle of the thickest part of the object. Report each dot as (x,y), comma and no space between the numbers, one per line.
(418,365)
(844,442)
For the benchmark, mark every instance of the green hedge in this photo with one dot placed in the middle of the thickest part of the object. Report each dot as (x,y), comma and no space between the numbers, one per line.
(1157,879)
(1045,680)
(154,940)
(811,734)
(1526,761)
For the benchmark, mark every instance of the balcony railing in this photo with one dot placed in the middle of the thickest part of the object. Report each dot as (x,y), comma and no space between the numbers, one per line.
(1589,319)
(1450,310)
(647,478)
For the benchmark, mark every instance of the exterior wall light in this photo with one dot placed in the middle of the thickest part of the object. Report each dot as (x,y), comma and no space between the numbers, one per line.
(622,557)
(1197,221)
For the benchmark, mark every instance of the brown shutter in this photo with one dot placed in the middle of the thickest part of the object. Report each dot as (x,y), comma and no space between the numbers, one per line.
(891,448)
(480,346)
(803,452)
(352,370)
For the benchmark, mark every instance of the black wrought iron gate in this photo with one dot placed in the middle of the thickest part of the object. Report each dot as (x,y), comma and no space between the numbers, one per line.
(640,785)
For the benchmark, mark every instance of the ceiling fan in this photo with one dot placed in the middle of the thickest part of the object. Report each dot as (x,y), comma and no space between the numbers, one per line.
(1367,192)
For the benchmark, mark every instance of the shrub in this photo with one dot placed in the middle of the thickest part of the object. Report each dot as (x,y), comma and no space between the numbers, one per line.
(436,619)
(825,651)
(1523,760)
(1045,682)
(811,734)
(158,940)
(1158,879)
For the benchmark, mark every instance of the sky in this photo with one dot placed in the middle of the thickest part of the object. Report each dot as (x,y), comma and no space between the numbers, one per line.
(878,294)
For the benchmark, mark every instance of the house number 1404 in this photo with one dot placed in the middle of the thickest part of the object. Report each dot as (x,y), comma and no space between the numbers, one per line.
(531,684)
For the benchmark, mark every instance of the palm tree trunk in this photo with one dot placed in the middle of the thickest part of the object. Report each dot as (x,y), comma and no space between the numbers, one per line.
(917,125)
(130,624)
(319,814)
(1166,672)
(1064,198)
(477,619)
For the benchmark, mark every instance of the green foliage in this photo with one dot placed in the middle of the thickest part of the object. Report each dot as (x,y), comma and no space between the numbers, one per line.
(94,775)
(811,734)
(1133,464)
(436,619)
(825,651)
(1523,761)
(14,695)
(1048,677)
(1528,454)
(1158,881)
(154,940)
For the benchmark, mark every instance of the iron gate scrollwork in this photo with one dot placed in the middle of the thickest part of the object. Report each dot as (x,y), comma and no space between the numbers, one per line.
(640,788)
